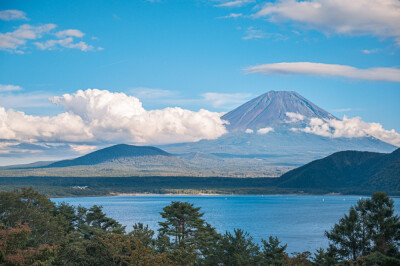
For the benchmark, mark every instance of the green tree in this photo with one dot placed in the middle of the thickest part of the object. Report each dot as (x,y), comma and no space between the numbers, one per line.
(346,236)
(298,259)
(208,245)
(16,248)
(180,231)
(239,249)
(370,226)
(92,220)
(144,234)
(383,226)
(27,206)
(273,253)
(66,216)
(182,222)
(377,258)
(323,258)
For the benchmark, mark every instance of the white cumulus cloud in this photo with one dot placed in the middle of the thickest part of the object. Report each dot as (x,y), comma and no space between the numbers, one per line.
(249,131)
(65,127)
(93,116)
(350,128)
(294,117)
(265,130)
(357,17)
(83,149)
(320,69)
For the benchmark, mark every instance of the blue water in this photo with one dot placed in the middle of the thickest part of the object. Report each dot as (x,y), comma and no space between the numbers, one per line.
(299,221)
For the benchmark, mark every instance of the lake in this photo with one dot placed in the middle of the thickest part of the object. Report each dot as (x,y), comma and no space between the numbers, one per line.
(298,221)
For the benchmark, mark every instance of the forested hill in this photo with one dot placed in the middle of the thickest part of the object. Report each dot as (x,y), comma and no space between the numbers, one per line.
(111,153)
(348,169)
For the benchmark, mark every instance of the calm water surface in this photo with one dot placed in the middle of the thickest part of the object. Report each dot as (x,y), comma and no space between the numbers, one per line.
(299,221)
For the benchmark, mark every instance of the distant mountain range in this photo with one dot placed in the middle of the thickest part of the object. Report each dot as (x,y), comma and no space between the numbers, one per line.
(129,160)
(261,142)
(347,170)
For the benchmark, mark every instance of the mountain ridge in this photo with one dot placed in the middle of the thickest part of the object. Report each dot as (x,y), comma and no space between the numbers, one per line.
(111,153)
(347,169)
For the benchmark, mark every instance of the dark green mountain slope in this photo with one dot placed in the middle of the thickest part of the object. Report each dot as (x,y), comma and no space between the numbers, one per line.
(111,153)
(347,169)
(387,178)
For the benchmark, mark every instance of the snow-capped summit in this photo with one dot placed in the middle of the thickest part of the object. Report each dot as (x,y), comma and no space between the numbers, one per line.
(272,108)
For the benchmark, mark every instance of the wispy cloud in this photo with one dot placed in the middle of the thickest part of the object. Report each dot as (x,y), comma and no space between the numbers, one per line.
(25,100)
(252,33)
(226,99)
(370,51)
(12,14)
(70,32)
(65,43)
(146,93)
(220,101)
(357,17)
(343,110)
(232,15)
(12,41)
(4,88)
(18,41)
(237,3)
(320,69)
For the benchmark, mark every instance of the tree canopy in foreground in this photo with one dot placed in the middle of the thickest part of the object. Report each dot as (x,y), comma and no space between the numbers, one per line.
(35,231)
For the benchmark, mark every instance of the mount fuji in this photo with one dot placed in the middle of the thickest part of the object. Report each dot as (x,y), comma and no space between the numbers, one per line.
(271,109)
(266,133)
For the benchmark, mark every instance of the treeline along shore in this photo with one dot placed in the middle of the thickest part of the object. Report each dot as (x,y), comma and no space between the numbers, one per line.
(36,231)
(104,186)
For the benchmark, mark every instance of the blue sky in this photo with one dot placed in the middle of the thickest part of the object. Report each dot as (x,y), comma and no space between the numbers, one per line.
(194,54)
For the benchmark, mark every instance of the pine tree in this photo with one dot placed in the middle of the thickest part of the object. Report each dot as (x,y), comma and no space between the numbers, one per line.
(323,258)
(346,236)
(382,224)
(273,252)
(180,231)
(239,249)
(370,226)
(182,222)
(144,234)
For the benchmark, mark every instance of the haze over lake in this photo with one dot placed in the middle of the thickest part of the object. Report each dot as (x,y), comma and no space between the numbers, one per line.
(299,221)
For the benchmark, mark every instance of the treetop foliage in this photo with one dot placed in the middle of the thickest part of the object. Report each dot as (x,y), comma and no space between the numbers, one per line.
(35,231)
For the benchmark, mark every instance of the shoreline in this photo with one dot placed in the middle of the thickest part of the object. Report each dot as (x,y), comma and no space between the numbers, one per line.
(210,194)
